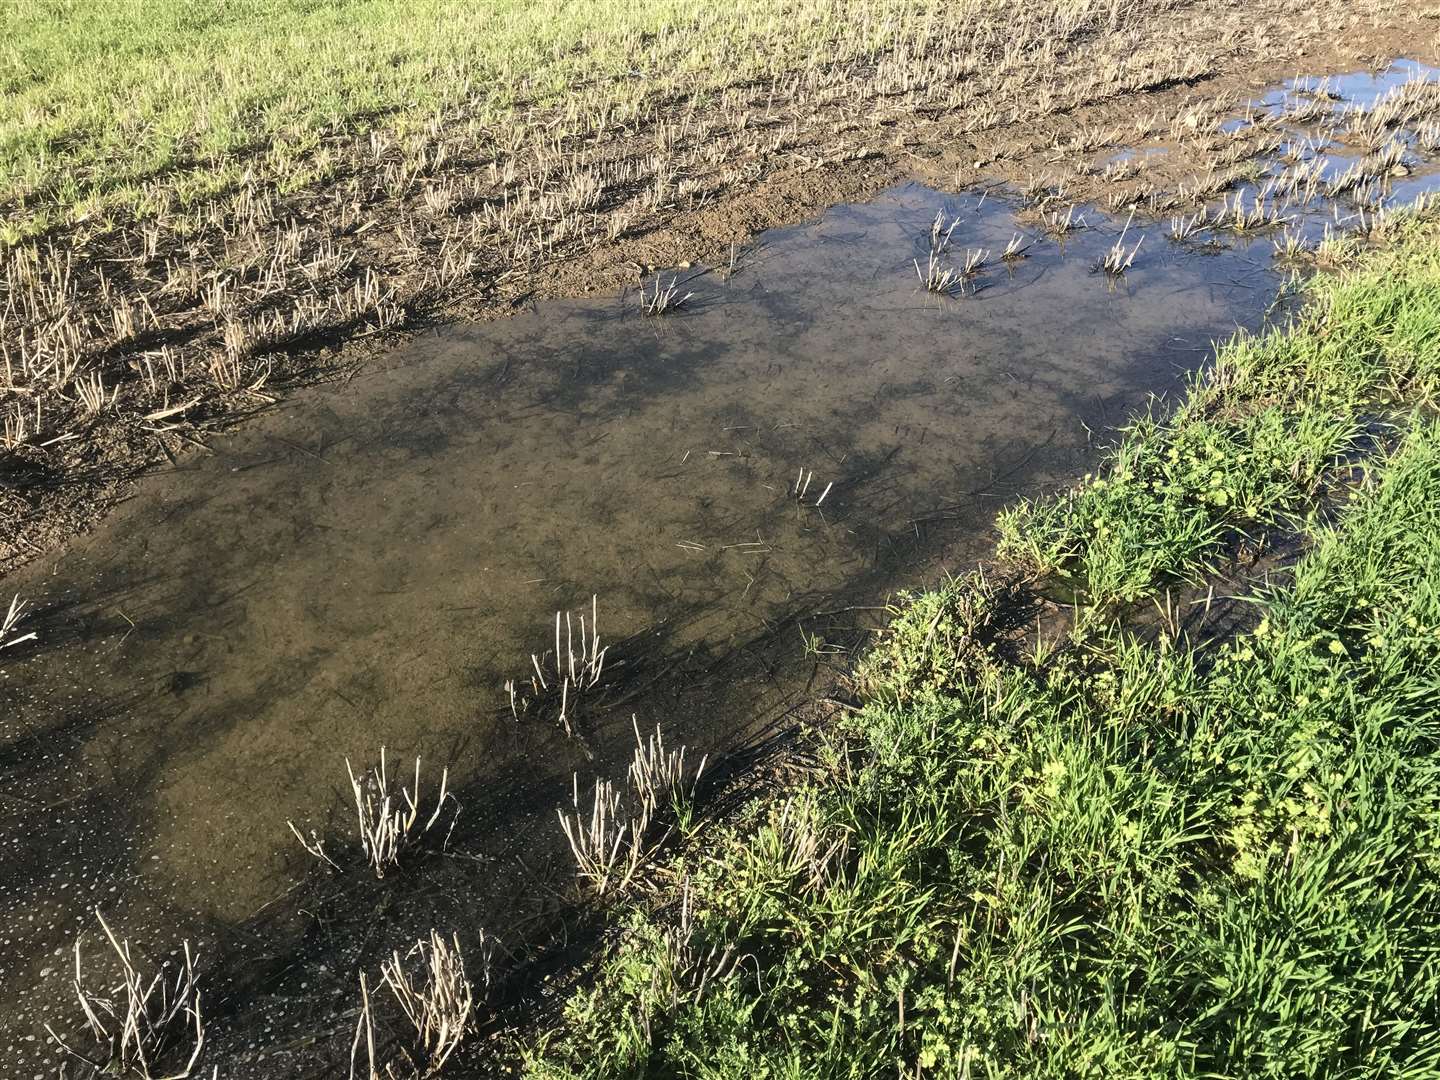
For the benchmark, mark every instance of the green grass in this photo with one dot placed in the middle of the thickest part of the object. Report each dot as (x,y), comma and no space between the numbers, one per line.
(100,103)
(100,100)
(1127,858)
(937,638)
(1255,438)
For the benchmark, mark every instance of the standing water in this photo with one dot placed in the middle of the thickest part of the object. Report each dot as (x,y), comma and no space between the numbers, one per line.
(735,488)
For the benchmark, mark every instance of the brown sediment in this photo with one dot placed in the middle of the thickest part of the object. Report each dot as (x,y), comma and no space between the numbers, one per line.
(127,341)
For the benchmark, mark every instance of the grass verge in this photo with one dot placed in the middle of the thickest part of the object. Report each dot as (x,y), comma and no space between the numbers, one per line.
(1256,438)
(1136,855)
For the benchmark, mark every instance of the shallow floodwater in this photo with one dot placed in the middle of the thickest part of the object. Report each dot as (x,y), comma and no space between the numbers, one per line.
(1312,145)
(370,563)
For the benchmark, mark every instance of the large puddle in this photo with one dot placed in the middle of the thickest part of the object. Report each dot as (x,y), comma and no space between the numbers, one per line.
(370,563)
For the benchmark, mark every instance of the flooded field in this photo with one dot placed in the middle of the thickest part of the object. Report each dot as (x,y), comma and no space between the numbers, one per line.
(739,485)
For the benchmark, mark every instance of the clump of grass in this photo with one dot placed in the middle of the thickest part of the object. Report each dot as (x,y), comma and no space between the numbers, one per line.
(565,677)
(146,1024)
(662,300)
(939,278)
(387,816)
(1170,496)
(658,775)
(1117,260)
(1182,228)
(620,832)
(1427,136)
(436,1004)
(940,233)
(10,621)
(1291,245)
(1018,247)
(1036,190)
(936,639)
(1062,225)
(1240,219)
(606,845)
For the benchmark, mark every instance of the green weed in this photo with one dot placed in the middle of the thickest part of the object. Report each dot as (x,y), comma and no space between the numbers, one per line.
(1135,859)
(1256,438)
(937,638)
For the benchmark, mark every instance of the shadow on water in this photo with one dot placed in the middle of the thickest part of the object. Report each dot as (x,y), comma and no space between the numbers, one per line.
(369,564)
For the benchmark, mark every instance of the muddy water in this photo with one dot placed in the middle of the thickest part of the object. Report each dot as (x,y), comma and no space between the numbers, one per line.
(1315,144)
(1352,88)
(369,564)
